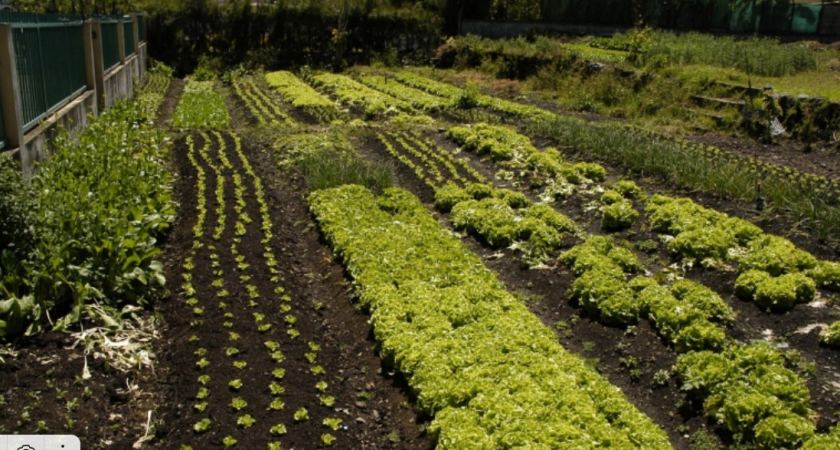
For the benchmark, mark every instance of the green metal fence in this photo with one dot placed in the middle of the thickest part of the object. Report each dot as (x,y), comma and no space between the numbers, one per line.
(110,45)
(141,27)
(50,61)
(128,36)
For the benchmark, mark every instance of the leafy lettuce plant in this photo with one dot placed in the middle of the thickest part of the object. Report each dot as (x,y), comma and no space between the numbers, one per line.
(831,335)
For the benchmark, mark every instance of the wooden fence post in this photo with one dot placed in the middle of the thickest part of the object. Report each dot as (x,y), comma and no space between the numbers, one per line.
(136,34)
(121,39)
(10,98)
(98,64)
(90,63)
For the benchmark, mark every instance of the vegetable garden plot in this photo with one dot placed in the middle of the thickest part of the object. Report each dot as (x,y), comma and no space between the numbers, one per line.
(200,107)
(353,94)
(259,365)
(301,96)
(685,334)
(242,377)
(263,109)
(440,322)
(795,194)
(99,208)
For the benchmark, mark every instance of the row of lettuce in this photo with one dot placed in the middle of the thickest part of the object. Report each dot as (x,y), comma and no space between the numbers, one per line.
(687,314)
(491,374)
(79,238)
(494,377)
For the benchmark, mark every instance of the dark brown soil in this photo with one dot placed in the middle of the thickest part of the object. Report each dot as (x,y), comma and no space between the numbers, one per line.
(170,102)
(42,391)
(372,403)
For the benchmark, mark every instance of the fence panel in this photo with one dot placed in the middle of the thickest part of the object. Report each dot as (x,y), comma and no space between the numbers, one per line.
(128,36)
(50,60)
(9,16)
(110,45)
(141,27)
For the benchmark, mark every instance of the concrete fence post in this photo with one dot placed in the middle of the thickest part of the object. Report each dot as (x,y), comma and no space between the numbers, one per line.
(10,98)
(121,38)
(98,64)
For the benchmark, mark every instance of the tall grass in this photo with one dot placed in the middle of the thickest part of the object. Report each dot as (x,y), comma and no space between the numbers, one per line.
(757,56)
(700,168)
(328,168)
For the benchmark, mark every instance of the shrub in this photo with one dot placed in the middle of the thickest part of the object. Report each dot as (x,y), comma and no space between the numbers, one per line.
(619,216)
